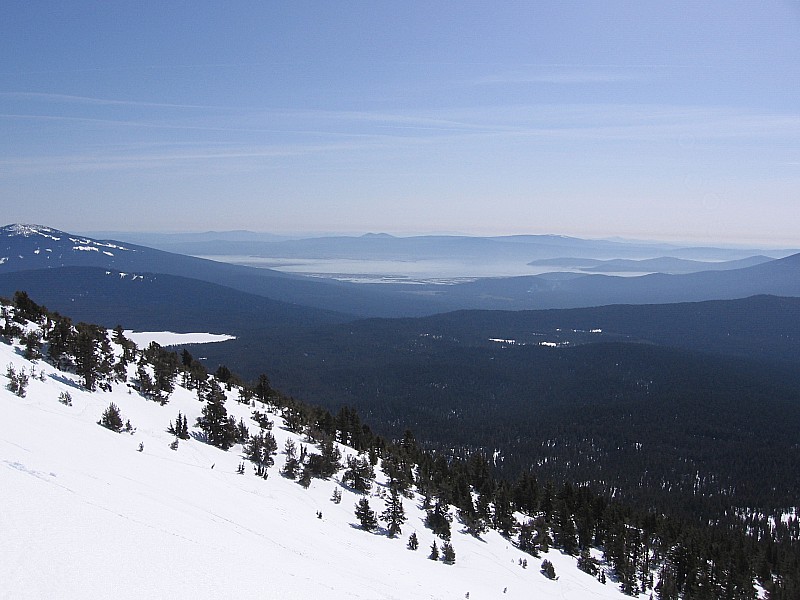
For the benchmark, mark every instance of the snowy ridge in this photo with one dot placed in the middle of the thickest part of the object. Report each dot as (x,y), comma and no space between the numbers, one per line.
(86,515)
(25,230)
(61,241)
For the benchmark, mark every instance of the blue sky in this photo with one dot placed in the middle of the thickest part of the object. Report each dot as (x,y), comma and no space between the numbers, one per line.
(671,120)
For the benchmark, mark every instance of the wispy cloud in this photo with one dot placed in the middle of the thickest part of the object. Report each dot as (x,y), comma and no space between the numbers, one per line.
(88,100)
(563,78)
(262,139)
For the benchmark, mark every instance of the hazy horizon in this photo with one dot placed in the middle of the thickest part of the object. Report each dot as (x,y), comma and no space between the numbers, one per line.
(674,122)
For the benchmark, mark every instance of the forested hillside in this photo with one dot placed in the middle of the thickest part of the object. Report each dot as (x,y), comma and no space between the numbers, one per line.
(466,507)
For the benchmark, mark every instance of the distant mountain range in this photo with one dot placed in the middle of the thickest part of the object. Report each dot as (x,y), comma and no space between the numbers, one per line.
(524,248)
(663,264)
(32,247)
(780,277)
(26,248)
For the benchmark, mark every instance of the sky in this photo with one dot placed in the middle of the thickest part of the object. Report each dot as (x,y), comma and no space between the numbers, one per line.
(662,120)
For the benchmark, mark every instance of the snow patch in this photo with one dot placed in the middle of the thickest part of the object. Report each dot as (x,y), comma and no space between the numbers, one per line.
(30,230)
(169,338)
(502,341)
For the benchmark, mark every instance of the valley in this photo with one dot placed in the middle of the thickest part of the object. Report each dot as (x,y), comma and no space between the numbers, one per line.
(678,408)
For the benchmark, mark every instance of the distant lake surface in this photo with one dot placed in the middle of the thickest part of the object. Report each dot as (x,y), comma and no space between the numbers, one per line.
(394,271)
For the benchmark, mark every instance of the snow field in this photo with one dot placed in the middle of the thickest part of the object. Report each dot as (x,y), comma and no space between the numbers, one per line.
(85,515)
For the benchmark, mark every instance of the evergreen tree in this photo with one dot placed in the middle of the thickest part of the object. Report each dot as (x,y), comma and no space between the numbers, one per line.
(10,329)
(565,534)
(413,542)
(262,419)
(259,450)
(359,474)
(438,520)
(504,520)
(326,463)
(434,555)
(394,515)
(242,433)
(305,478)
(86,346)
(587,563)
(448,553)
(292,464)
(33,345)
(365,515)
(399,471)
(180,428)
(59,341)
(111,418)
(18,381)
(26,309)
(262,390)
(548,570)
(214,421)
(194,373)
(223,375)
(541,538)
(525,541)
(164,368)
(473,522)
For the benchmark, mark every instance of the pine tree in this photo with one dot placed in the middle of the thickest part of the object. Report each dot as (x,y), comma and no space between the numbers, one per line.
(292,464)
(111,419)
(473,523)
(448,553)
(33,345)
(330,458)
(59,341)
(86,351)
(214,421)
(541,537)
(587,563)
(26,309)
(394,515)
(164,368)
(365,515)
(18,381)
(504,520)
(413,542)
(259,449)
(525,540)
(336,498)
(359,474)
(263,391)
(305,478)
(438,520)
(434,555)
(548,570)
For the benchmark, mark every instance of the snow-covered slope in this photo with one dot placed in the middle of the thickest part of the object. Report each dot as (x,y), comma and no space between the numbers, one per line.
(85,514)
(44,245)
